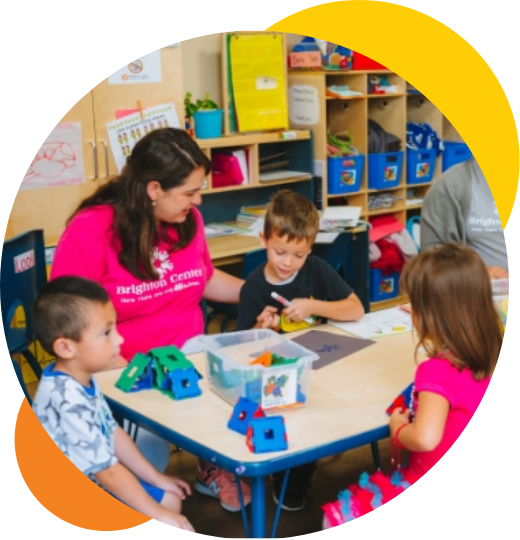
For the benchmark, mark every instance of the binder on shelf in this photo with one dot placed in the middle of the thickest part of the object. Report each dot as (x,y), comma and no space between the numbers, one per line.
(230,168)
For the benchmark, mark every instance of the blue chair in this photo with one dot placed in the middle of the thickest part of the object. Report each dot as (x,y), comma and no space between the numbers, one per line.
(22,275)
(252,260)
(18,372)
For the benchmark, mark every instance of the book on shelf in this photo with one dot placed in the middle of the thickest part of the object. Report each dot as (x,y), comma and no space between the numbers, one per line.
(274,176)
(251,214)
(213,230)
(339,217)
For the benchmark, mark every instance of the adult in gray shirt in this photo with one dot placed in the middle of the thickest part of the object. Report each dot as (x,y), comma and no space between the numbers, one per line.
(459,207)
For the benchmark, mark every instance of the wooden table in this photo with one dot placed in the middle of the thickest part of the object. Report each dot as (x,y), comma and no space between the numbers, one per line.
(231,249)
(345,409)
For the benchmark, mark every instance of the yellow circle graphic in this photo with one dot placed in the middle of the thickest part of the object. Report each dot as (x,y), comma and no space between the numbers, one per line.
(445,68)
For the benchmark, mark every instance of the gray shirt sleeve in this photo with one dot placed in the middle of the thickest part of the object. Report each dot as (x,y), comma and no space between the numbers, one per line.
(446,207)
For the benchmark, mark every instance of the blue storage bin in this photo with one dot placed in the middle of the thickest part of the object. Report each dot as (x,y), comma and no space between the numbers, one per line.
(455,152)
(344,174)
(383,287)
(420,165)
(384,170)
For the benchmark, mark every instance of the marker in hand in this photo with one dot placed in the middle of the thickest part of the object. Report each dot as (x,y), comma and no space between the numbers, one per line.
(286,304)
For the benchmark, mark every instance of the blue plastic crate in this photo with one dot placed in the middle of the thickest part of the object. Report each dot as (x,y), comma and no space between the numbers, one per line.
(384,170)
(454,153)
(383,287)
(344,174)
(420,165)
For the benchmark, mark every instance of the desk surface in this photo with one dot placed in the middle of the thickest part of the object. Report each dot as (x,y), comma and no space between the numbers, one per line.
(346,402)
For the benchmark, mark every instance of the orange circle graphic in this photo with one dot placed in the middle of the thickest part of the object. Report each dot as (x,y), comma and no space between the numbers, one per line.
(60,486)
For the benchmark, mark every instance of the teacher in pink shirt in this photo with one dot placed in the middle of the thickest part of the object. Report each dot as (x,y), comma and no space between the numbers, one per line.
(142,238)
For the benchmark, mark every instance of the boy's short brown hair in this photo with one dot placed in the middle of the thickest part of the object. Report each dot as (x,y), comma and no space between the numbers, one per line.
(293,215)
(60,309)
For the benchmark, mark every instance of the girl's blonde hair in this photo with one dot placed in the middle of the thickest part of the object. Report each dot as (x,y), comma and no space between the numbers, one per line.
(452,307)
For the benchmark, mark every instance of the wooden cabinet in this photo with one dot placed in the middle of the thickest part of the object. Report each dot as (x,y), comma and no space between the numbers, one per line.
(222,204)
(49,208)
(391,111)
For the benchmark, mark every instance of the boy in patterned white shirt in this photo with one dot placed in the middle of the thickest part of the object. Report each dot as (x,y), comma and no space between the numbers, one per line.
(75,321)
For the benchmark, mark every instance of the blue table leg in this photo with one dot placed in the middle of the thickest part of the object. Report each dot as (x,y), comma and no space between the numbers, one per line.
(258,517)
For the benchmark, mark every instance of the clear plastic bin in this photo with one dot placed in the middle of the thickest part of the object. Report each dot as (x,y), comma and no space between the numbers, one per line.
(231,375)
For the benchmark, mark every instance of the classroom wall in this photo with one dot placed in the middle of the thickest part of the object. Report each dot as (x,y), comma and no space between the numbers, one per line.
(201,59)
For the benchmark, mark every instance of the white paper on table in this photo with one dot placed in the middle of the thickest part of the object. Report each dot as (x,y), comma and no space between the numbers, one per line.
(325,238)
(146,69)
(59,161)
(279,388)
(335,216)
(387,322)
(124,133)
(255,228)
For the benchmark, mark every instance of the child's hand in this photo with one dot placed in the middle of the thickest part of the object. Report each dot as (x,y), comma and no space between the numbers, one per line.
(398,418)
(176,520)
(299,310)
(174,485)
(269,318)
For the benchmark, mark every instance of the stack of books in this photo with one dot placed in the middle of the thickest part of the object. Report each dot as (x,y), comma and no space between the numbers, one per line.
(251,214)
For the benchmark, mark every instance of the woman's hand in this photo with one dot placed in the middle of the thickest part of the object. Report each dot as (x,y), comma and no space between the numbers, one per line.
(495,272)
(269,318)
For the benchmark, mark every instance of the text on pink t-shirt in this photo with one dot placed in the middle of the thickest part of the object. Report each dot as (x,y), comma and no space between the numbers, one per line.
(149,313)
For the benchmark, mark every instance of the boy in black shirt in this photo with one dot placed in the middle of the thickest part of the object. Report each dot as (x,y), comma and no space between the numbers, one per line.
(310,285)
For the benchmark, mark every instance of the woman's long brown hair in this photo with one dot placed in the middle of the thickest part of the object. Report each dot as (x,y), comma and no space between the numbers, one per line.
(452,307)
(167,156)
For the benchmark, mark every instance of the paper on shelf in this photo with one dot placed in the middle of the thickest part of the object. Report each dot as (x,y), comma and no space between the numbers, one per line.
(340,216)
(387,322)
(326,238)
(216,229)
(273,176)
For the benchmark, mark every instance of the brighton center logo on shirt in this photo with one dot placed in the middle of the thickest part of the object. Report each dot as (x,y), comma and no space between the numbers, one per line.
(161,261)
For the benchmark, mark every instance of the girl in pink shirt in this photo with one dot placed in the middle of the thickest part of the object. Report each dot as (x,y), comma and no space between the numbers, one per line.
(458,327)
(142,238)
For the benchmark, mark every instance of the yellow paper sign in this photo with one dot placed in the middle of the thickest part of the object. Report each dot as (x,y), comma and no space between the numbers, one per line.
(258,78)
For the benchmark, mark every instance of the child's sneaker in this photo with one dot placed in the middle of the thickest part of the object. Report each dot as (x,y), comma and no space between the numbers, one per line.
(297,484)
(221,484)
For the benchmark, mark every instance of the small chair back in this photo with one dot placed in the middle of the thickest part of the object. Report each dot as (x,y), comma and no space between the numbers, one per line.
(252,260)
(22,275)
(18,372)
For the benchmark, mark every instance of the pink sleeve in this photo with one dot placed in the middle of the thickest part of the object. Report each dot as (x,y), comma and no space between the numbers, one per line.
(82,249)
(435,376)
(206,258)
